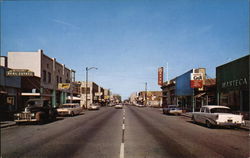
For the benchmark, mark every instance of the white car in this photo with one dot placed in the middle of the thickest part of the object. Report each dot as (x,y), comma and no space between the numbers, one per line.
(69,109)
(215,115)
(118,106)
(172,109)
(94,107)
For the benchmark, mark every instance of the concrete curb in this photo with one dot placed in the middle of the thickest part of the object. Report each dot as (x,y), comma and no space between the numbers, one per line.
(8,124)
(190,115)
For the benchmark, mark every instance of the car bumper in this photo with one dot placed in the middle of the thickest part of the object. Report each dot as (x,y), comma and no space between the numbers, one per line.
(175,112)
(228,124)
(26,120)
(63,113)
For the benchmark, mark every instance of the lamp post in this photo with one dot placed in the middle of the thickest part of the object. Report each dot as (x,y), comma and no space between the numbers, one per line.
(86,84)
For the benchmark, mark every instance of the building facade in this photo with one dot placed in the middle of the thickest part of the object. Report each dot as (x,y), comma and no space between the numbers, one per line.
(233,85)
(50,72)
(89,93)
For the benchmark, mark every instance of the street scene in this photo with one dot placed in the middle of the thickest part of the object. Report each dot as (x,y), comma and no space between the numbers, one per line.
(99,134)
(124,79)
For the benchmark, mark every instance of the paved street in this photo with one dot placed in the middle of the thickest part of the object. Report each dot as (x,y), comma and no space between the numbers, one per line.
(98,134)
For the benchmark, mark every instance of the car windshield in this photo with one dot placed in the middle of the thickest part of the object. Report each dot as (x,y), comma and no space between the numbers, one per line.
(33,103)
(220,110)
(66,106)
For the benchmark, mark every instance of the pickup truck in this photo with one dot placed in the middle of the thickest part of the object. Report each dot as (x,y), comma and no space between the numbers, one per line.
(216,115)
(36,110)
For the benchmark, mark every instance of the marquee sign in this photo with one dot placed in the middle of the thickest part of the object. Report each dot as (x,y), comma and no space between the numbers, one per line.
(160,76)
(19,72)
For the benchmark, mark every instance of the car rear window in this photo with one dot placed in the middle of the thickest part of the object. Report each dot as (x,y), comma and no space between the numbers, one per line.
(220,110)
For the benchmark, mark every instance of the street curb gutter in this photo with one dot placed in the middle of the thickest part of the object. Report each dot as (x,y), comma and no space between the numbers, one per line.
(241,127)
(8,125)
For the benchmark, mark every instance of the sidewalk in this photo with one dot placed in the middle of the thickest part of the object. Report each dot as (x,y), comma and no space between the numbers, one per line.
(5,124)
(245,126)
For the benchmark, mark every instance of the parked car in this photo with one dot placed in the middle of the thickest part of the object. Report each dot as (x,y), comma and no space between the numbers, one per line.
(94,107)
(36,110)
(172,109)
(70,109)
(119,106)
(217,116)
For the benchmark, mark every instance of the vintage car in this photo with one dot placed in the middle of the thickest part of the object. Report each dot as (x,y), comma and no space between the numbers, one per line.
(69,109)
(36,110)
(172,109)
(215,115)
(94,107)
(119,106)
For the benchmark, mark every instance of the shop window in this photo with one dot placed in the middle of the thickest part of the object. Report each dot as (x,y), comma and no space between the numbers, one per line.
(49,77)
(44,76)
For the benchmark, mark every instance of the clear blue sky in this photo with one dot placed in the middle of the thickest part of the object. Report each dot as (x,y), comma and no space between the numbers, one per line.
(129,39)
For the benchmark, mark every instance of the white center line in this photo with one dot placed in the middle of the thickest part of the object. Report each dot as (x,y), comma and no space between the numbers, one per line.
(123,133)
(122,150)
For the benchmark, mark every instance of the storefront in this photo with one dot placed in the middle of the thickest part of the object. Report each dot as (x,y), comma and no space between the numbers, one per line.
(10,89)
(233,85)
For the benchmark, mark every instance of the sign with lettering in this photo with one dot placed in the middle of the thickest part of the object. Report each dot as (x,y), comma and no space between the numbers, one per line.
(19,72)
(196,80)
(160,76)
(63,86)
(234,83)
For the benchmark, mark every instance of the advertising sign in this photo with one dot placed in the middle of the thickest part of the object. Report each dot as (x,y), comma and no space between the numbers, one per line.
(19,72)
(196,80)
(160,76)
(63,86)
(182,86)
(98,94)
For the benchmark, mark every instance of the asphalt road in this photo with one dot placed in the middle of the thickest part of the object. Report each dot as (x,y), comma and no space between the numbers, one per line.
(131,132)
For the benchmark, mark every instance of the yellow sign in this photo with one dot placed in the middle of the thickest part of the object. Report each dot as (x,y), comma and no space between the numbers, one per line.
(106,97)
(63,85)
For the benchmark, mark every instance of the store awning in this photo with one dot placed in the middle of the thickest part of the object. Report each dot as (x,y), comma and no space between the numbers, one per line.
(3,92)
(35,94)
(74,98)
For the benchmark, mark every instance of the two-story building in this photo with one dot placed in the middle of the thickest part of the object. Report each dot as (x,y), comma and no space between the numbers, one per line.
(50,72)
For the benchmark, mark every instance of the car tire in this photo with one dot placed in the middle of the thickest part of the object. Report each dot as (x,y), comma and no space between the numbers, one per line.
(40,117)
(208,124)
(193,119)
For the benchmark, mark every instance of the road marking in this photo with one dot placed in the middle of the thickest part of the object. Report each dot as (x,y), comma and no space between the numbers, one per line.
(123,133)
(122,150)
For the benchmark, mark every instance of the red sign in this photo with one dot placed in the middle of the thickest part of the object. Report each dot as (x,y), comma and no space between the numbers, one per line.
(160,76)
(196,80)
(196,83)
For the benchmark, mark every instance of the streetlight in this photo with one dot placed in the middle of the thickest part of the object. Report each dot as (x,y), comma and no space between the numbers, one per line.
(86,84)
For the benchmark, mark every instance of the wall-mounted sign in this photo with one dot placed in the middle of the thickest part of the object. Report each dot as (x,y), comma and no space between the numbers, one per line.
(98,94)
(160,76)
(63,86)
(19,72)
(196,80)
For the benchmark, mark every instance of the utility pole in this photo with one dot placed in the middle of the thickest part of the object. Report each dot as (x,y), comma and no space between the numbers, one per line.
(167,72)
(146,94)
(86,84)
